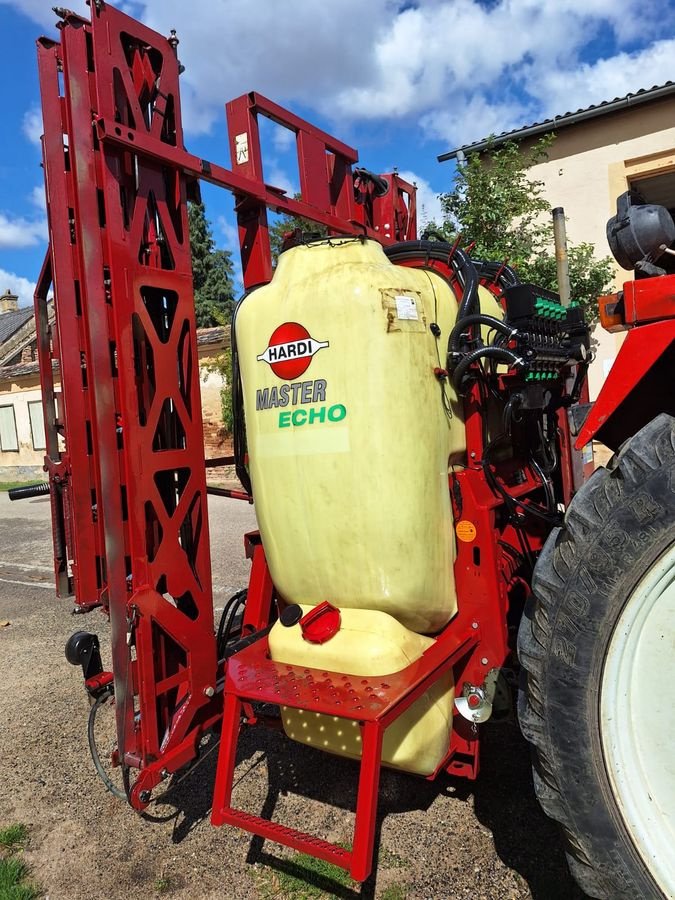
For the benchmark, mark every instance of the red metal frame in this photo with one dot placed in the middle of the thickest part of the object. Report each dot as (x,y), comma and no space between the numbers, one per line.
(372,702)
(128,485)
(646,308)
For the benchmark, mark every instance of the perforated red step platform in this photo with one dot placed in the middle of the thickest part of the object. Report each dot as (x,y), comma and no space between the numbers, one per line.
(375,702)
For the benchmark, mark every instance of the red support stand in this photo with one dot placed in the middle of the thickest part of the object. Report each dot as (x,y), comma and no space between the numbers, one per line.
(374,702)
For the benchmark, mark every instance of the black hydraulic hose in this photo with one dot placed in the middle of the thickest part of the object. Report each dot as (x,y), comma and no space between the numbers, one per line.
(93,749)
(227,616)
(499,353)
(469,302)
(381,185)
(26,491)
(508,277)
(478,319)
(460,261)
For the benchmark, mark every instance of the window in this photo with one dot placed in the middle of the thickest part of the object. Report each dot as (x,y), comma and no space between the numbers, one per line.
(37,425)
(659,188)
(8,438)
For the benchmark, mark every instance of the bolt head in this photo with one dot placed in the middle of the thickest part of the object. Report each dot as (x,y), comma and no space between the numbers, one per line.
(145,796)
(473,700)
(474,625)
(484,661)
(209,691)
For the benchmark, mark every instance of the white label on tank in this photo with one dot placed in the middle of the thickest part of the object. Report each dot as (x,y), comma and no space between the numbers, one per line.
(406,308)
(241,147)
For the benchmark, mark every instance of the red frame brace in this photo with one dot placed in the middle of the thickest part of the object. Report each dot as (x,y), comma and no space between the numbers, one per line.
(375,702)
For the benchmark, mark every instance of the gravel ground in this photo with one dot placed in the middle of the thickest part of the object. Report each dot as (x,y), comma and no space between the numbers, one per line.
(447,839)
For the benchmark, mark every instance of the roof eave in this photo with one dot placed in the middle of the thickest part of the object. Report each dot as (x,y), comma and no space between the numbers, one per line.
(558,122)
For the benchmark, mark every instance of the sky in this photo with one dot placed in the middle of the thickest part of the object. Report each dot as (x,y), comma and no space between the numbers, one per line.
(401,82)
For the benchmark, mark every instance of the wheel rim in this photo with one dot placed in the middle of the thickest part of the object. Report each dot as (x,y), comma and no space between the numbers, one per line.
(637,719)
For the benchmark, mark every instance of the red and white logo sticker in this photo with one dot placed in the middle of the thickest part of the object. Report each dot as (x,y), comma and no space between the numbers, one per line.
(290,350)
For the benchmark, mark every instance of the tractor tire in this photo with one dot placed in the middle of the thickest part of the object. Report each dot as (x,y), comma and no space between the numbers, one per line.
(597,656)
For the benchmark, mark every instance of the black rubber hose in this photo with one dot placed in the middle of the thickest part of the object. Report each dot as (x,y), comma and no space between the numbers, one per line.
(227,615)
(460,261)
(469,303)
(25,492)
(507,276)
(478,319)
(499,353)
(381,184)
(91,738)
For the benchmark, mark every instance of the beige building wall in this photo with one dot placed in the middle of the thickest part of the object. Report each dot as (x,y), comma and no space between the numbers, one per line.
(27,461)
(588,166)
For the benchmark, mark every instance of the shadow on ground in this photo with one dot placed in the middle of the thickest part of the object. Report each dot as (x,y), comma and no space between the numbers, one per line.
(503,800)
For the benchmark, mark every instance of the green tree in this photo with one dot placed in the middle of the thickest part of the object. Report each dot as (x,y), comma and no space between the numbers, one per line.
(222,365)
(212,272)
(496,204)
(286,224)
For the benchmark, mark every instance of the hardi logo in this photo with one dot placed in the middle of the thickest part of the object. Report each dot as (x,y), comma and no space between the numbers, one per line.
(290,350)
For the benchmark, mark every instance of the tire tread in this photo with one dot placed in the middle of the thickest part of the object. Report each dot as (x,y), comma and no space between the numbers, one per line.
(651,448)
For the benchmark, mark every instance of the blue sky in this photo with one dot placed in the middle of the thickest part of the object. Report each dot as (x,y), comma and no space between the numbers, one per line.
(400,81)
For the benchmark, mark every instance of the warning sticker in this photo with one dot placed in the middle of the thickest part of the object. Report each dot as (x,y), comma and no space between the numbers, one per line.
(466,531)
(406,308)
(241,147)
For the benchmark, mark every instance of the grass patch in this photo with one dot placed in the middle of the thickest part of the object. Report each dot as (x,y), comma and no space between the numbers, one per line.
(395,891)
(13,870)
(163,884)
(391,860)
(13,836)
(303,878)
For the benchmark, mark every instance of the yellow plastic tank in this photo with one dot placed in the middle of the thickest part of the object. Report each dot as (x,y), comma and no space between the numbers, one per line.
(369,643)
(350,433)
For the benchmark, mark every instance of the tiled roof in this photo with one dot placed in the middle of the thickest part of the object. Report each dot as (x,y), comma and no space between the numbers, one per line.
(213,335)
(30,368)
(10,322)
(204,336)
(644,95)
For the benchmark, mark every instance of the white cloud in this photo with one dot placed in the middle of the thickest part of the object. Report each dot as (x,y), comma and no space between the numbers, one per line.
(37,197)
(428,202)
(459,69)
(17,284)
(18,232)
(473,119)
(606,79)
(41,12)
(31,124)
(300,50)
(283,139)
(278,178)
